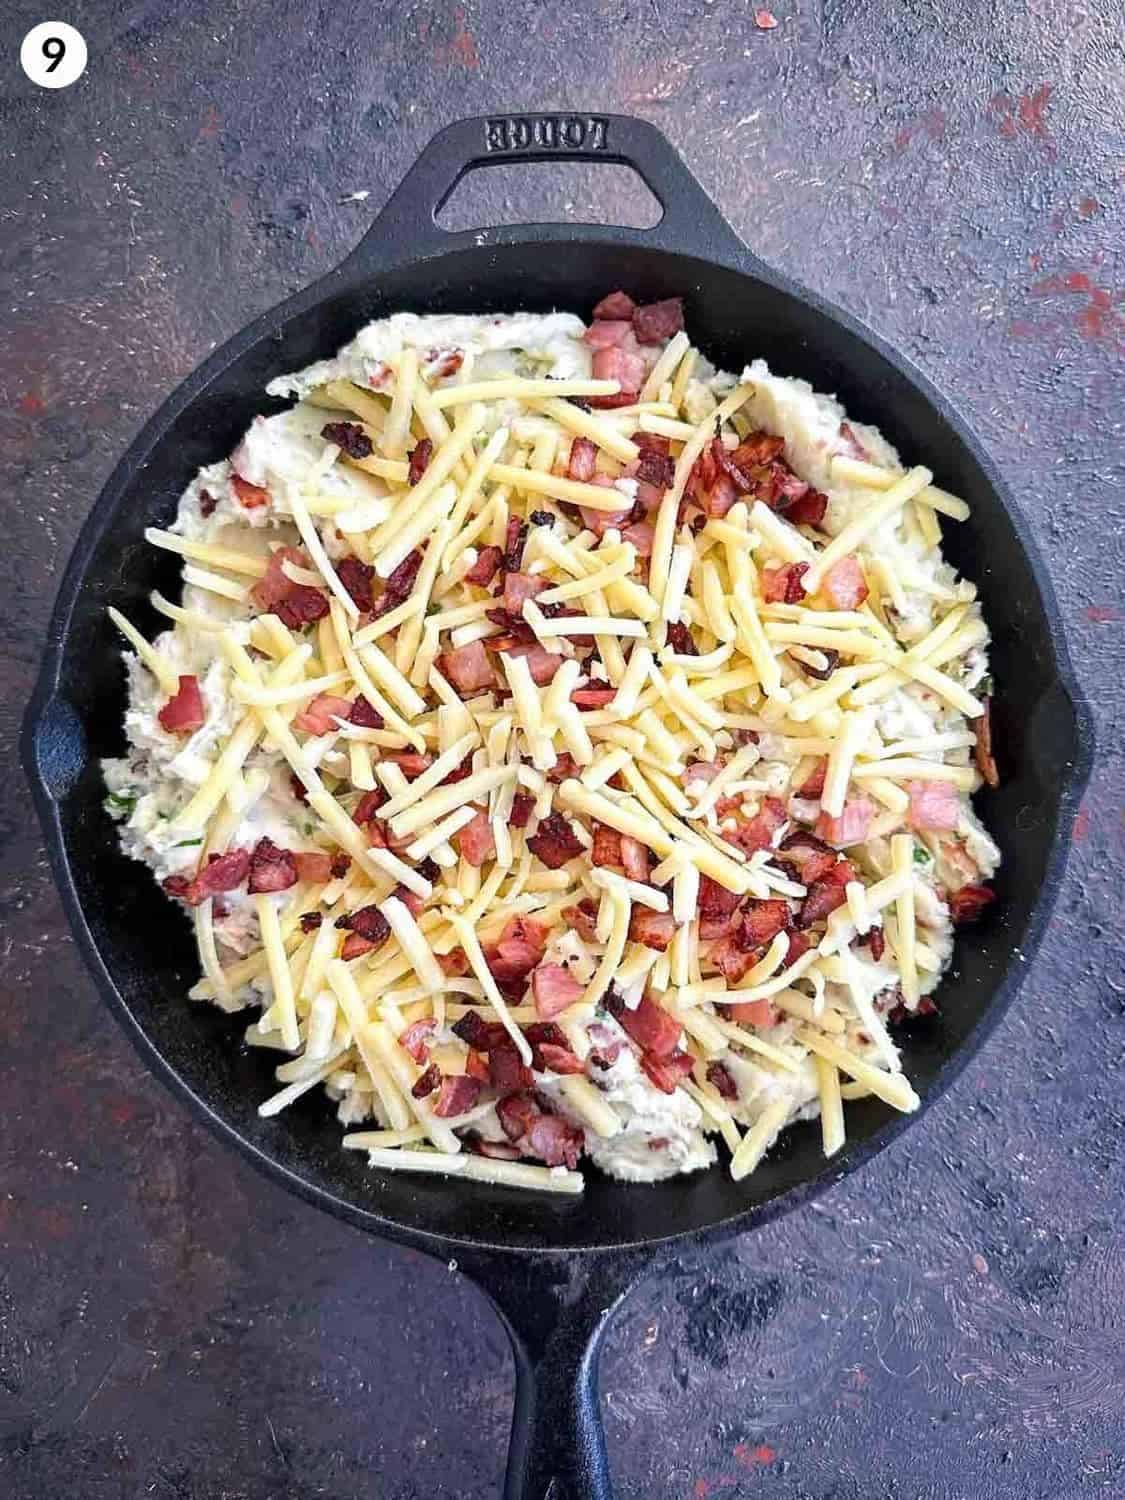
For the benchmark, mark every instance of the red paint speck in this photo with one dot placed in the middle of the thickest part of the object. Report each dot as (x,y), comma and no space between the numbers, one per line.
(1035,261)
(765,20)
(1024,115)
(31,405)
(1021,329)
(1081,830)
(1087,207)
(1098,321)
(761,1453)
(463,48)
(1101,614)
(212,120)
(1032,107)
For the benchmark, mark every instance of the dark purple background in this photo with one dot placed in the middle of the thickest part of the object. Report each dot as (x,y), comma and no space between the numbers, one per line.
(947,1325)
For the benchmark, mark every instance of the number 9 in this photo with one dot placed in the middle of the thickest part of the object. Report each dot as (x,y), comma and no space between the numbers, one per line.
(54,50)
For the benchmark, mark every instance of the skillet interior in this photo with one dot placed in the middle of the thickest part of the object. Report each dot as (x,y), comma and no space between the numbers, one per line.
(144,944)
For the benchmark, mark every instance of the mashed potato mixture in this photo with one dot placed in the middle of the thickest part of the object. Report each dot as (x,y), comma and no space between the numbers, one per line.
(564,746)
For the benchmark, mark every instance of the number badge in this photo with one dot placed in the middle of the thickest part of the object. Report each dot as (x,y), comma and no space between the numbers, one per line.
(53,54)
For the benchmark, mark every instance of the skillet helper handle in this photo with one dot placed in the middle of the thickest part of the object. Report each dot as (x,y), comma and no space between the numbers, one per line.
(555,1311)
(409,219)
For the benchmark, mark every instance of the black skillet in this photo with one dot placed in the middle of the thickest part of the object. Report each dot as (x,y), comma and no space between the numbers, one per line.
(555,1269)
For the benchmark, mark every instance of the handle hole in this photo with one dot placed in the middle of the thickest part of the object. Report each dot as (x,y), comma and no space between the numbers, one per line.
(571,193)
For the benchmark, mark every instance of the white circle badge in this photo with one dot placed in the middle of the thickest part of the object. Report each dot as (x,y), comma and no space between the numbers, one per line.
(53,54)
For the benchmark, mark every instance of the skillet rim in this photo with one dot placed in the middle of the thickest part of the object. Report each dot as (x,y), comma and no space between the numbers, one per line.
(46,714)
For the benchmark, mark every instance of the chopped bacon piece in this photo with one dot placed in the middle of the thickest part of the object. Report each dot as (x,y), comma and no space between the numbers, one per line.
(368,805)
(349,437)
(788,489)
(718,498)
(522,806)
(825,895)
(754,1013)
(458,1095)
(642,534)
(414,903)
(410,762)
(357,578)
(496,1150)
(363,715)
(313,866)
(554,842)
(702,772)
(295,604)
(601,521)
(655,929)
(400,585)
(809,857)
(207,504)
(583,459)
(476,1032)
(184,712)
(762,921)
(369,922)
(541,663)
(554,989)
(615,305)
(844,585)
(554,1141)
(487,565)
(607,333)
(583,918)
(506,1070)
(716,908)
(831,662)
(877,942)
(593,697)
(635,858)
(732,959)
(250,496)
(605,1047)
(606,848)
(967,904)
(808,510)
(516,627)
(649,1025)
(224,872)
(467,668)
(852,824)
(311,921)
(476,1066)
(420,456)
(680,639)
(655,468)
(475,841)
(355,946)
(441,363)
(319,716)
(516,1114)
(271,868)
(559,1059)
(514,542)
(757,449)
(666,1072)
(719,1076)
(782,585)
(518,589)
(759,831)
(454,963)
(619,364)
(982,754)
(427,1081)
(416,1039)
(813,785)
(799,945)
(525,931)
(933,805)
(657,321)
(341,864)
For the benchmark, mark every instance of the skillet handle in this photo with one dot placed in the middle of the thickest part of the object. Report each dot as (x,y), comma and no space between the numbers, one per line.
(407,224)
(555,1311)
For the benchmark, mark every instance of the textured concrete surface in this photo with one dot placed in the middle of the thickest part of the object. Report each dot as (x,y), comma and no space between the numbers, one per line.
(947,1325)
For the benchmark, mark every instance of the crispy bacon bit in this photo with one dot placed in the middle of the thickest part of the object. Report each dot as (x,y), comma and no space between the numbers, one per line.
(719,1076)
(716,908)
(554,989)
(475,841)
(184,712)
(541,663)
(474,1031)
(657,321)
(521,809)
(368,922)
(650,1026)
(986,763)
(759,831)
(427,1082)
(319,716)
(831,662)
(414,903)
(467,668)
(363,715)
(635,858)
(554,842)
(852,824)
(605,1047)
(825,895)
(295,604)
(626,368)
(754,1012)
(583,459)
(349,437)
(813,786)
(357,578)
(476,1066)
(655,929)
(506,1070)
(559,1060)
(250,496)
(758,449)
(608,333)
(522,942)
(487,565)
(762,921)
(783,585)
(844,585)
(355,946)
(368,805)
(554,1141)
(518,589)
(271,868)
(655,468)
(458,1095)
(313,866)
(420,456)
(731,958)
(441,363)
(416,1039)
(606,848)
(516,1114)
(583,918)
(207,504)
(642,534)
(809,857)
(933,805)
(341,864)
(680,639)
(616,305)
(967,904)
(496,1150)
(311,921)
(222,872)
(666,1072)
(765,20)
(720,496)
(515,540)
(400,585)
(877,943)
(593,697)
(808,509)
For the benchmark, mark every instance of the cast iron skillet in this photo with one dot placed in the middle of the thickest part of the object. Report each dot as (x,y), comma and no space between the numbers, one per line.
(554,1268)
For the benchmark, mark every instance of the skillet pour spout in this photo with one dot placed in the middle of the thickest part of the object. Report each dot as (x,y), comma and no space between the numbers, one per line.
(555,1268)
